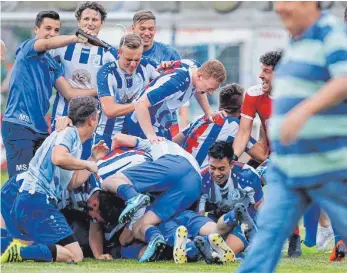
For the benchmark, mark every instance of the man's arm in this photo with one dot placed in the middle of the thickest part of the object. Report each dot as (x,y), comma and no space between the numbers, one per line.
(96,242)
(42,45)
(332,93)
(144,118)
(66,90)
(258,152)
(203,102)
(123,140)
(112,109)
(179,138)
(242,137)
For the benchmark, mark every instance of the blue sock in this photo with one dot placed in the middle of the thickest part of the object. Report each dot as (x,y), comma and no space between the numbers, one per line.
(4,232)
(38,252)
(230,219)
(192,252)
(5,242)
(311,218)
(151,233)
(131,251)
(126,192)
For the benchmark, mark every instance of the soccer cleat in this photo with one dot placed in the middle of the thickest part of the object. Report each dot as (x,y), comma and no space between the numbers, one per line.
(12,252)
(324,237)
(179,249)
(244,218)
(221,247)
(153,250)
(204,248)
(338,253)
(133,205)
(294,246)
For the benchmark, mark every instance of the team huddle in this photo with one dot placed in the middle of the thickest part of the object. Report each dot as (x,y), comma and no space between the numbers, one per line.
(116,177)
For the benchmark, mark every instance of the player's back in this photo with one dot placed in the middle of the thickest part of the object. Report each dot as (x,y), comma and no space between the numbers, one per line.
(45,177)
(121,159)
(202,133)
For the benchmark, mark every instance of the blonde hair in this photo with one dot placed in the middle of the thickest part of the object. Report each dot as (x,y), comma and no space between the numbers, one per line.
(131,41)
(214,69)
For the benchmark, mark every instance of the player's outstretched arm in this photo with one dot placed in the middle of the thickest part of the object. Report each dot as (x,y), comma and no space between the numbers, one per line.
(66,90)
(144,118)
(123,140)
(113,109)
(243,135)
(96,242)
(203,102)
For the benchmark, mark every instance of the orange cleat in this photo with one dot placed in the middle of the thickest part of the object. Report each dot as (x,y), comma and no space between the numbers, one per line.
(338,253)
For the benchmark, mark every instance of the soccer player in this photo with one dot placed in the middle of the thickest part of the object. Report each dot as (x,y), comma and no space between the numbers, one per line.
(34,215)
(154,110)
(144,25)
(199,135)
(226,185)
(81,62)
(119,84)
(174,173)
(34,74)
(307,165)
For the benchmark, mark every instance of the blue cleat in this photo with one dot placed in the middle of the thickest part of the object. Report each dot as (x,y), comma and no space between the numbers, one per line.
(153,250)
(204,248)
(133,205)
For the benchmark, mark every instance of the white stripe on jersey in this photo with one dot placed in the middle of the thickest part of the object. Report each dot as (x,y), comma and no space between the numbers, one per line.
(121,162)
(169,147)
(79,74)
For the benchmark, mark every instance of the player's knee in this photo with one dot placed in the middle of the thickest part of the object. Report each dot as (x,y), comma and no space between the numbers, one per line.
(78,255)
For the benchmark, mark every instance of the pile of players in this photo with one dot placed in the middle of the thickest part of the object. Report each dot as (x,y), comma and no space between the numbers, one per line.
(116,178)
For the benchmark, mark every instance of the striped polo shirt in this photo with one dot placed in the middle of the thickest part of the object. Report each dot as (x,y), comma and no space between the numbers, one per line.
(309,62)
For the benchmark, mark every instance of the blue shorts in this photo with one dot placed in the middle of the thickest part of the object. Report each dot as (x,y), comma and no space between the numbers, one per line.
(38,220)
(9,193)
(239,234)
(188,218)
(131,251)
(20,143)
(171,175)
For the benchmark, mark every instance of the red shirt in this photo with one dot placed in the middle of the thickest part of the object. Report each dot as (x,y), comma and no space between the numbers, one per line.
(256,101)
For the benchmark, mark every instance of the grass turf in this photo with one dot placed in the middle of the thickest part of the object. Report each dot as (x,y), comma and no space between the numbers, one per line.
(317,262)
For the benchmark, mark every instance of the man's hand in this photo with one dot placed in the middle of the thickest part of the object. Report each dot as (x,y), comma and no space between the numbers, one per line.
(166,64)
(105,257)
(91,166)
(62,122)
(292,124)
(99,150)
(217,114)
(153,139)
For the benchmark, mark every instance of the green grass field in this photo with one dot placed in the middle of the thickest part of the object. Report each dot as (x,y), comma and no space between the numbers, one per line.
(307,263)
(312,263)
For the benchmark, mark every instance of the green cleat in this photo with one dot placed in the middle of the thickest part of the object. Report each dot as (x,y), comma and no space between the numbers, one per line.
(12,252)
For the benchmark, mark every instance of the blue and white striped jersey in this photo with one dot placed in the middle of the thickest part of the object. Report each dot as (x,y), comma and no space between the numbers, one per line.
(166,94)
(242,176)
(42,175)
(167,147)
(120,160)
(202,133)
(80,64)
(124,87)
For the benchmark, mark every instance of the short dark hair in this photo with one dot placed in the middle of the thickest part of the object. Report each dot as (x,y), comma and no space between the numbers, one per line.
(91,5)
(231,98)
(221,149)
(131,41)
(142,16)
(46,14)
(271,58)
(110,206)
(81,108)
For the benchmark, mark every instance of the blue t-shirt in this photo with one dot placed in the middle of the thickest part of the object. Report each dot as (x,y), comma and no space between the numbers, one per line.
(160,52)
(33,77)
